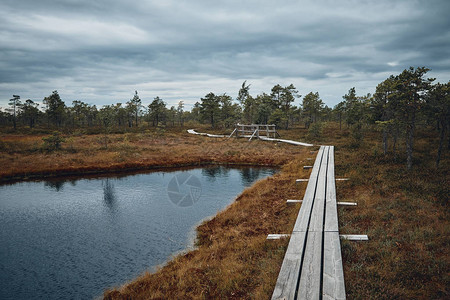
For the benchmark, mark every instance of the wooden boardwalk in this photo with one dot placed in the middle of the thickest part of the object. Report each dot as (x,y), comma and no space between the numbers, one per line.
(263,138)
(312,266)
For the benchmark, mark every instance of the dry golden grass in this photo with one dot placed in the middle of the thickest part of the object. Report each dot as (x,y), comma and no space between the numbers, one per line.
(406,217)
(404,213)
(24,156)
(233,259)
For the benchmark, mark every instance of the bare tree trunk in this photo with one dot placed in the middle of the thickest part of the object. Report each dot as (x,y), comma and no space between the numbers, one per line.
(448,137)
(394,143)
(14,120)
(385,141)
(410,142)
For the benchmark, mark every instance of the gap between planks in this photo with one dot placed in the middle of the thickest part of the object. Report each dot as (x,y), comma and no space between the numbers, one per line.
(348,237)
(293,201)
(306,180)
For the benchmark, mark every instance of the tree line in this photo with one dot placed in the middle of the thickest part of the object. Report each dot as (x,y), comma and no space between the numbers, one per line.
(399,105)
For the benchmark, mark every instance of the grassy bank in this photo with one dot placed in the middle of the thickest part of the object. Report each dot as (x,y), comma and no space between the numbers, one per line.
(405,213)
(26,157)
(233,259)
(406,216)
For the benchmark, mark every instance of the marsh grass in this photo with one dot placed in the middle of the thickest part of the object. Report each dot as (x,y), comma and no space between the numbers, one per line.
(405,213)
(406,217)
(27,157)
(233,259)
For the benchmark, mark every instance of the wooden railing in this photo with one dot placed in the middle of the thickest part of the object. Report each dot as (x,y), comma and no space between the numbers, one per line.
(255,130)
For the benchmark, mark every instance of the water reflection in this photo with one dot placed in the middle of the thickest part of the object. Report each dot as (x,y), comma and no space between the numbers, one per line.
(249,175)
(55,185)
(212,173)
(103,228)
(109,193)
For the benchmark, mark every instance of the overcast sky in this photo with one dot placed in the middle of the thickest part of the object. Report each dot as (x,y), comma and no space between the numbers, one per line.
(102,51)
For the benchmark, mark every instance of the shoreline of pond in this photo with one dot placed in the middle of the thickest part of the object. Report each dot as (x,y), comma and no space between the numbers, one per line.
(120,170)
(113,204)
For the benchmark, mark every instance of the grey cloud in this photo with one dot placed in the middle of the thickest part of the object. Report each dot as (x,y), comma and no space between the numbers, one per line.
(103,50)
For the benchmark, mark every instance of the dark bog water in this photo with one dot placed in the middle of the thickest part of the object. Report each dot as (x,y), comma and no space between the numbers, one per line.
(73,239)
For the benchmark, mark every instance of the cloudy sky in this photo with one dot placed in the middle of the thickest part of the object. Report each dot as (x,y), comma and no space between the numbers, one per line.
(102,51)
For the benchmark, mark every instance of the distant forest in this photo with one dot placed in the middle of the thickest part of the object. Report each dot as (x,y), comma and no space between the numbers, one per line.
(400,105)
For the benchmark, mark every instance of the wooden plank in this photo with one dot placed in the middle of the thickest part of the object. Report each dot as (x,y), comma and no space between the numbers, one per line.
(285,288)
(347,203)
(256,130)
(301,224)
(354,237)
(277,236)
(331,215)
(288,277)
(232,133)
(293,201)
(312,267)
(333,286)
(318,210)
(311,272)
(301,180)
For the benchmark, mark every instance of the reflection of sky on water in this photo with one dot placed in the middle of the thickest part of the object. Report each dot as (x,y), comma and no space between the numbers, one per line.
(72,239)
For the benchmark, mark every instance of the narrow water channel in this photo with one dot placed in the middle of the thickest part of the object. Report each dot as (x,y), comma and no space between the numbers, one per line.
(64,239)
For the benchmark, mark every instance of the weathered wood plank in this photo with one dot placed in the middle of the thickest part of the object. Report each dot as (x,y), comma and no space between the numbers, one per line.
(301,180)
(277,236)
(301,224)
(354,237)
(311,272)
(318,210)
(333,274)
(293,201)
(347,203)
(312,268)
(285,288)
(288,277)
(331,215)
